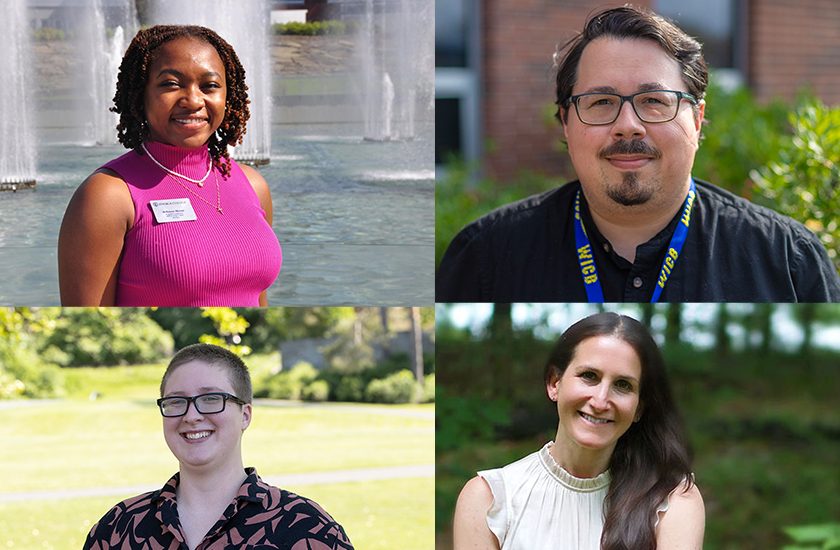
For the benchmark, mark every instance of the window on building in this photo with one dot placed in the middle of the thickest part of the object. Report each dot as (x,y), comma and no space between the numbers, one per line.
(719,26)
(447,129)
(456,79)
(450,33)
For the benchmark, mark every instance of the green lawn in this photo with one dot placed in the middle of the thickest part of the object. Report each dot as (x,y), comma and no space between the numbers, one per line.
(379,515)
(116,441)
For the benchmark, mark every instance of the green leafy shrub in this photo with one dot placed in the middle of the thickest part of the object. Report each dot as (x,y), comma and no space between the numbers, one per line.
(47,34)
(396,388)
(804,181)
(312,28)
(458,201)
(106,336)
(429,389)
(318,390)
(740,134)
(350,388)
(468,419)
(816,537)
(290,384)
(24,374)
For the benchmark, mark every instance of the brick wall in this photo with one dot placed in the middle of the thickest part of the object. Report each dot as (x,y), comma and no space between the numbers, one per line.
(793,45)
(520,37)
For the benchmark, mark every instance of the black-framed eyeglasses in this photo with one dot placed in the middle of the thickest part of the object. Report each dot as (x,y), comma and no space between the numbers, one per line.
(654,106)
(206,403)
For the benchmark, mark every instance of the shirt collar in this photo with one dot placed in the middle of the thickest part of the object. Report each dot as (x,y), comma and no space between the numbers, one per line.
(648,254)
(253,489)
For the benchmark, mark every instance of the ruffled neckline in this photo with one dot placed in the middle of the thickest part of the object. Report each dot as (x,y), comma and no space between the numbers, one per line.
(580,484)
(192,162)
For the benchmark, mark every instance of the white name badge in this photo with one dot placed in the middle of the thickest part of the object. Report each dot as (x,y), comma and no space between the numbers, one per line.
(173,210)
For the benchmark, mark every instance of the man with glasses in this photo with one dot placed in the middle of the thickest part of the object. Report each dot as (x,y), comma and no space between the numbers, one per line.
(213,501)
(636,227)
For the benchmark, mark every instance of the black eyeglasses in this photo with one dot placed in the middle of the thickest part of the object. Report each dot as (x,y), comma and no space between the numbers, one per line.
(206,403)
(654,106)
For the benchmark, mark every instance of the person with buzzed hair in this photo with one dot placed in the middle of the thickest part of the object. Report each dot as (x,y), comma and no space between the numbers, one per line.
(213,502)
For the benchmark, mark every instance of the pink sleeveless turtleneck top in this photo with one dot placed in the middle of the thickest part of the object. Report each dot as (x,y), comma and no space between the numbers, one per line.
(219,259)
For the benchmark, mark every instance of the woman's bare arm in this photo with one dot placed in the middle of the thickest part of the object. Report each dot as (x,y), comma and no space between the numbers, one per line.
(91,240)
(470,524)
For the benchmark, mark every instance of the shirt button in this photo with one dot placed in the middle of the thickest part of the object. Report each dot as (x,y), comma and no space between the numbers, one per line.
(637,282)
(606,247)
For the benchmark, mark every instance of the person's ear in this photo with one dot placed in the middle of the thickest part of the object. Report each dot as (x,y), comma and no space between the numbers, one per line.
(563,117)
(552,387)
(246,416)
(700,115)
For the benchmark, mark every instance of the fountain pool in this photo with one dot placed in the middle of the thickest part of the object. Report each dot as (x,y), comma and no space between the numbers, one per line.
(355,218)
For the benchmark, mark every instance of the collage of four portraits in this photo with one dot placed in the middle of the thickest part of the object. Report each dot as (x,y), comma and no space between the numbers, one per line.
(230,275)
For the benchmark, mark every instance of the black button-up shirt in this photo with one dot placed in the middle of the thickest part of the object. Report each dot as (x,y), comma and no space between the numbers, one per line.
(260,516)
(735,251)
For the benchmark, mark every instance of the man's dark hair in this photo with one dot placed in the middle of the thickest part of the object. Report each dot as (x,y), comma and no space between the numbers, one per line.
(132,129)
(631,22)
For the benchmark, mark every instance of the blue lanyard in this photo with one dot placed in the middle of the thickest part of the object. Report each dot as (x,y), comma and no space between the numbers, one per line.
(594,293)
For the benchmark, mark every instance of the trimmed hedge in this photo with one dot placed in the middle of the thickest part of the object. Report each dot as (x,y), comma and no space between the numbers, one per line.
(312,28)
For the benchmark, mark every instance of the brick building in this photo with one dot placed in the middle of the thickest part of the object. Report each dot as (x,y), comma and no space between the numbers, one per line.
(495,81)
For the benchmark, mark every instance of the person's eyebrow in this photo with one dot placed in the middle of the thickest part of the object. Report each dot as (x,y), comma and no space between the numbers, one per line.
(648,86)
(645,87)
(202,389)
(179,74)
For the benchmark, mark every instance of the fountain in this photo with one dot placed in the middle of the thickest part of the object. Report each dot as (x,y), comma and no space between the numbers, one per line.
(17,144)
(245,25)
(101,55)
(397,56)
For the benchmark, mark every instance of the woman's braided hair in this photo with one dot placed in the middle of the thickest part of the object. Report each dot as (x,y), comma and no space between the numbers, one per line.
(133,129)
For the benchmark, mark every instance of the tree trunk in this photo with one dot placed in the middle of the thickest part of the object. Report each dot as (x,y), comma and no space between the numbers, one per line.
(357,326)
(722,343)
(417,356)
(673,327)
(501,324)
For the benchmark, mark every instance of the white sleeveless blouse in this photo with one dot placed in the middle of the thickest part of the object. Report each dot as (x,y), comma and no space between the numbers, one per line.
(537,504)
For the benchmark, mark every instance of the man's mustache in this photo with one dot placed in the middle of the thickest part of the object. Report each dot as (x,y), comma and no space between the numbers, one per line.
(633,147)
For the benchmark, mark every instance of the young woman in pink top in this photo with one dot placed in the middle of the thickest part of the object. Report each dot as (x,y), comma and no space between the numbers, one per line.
(175,221)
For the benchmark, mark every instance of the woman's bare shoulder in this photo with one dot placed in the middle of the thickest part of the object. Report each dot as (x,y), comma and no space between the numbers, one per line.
(102,196)
(683,524)
(476,492)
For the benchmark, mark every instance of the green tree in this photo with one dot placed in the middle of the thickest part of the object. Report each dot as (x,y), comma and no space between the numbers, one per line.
(104,336)
(230,326)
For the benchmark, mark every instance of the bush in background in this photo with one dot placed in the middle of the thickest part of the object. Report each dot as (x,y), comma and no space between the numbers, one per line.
(318,390)
(47,34)
(739,135)
(312,28)
(106,336)
(429,389)
(396,388)
(291,383)
(804,180)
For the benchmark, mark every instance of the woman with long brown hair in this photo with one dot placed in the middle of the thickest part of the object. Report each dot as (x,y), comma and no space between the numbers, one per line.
(617,475)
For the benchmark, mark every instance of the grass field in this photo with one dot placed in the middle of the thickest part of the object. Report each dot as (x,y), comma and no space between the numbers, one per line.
(115,441)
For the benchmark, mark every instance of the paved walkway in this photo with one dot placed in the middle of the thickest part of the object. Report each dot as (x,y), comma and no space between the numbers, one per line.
(288,480)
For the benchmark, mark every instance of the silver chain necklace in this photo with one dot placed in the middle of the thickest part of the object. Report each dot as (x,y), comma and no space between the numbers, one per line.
(218,205)
(200,182)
